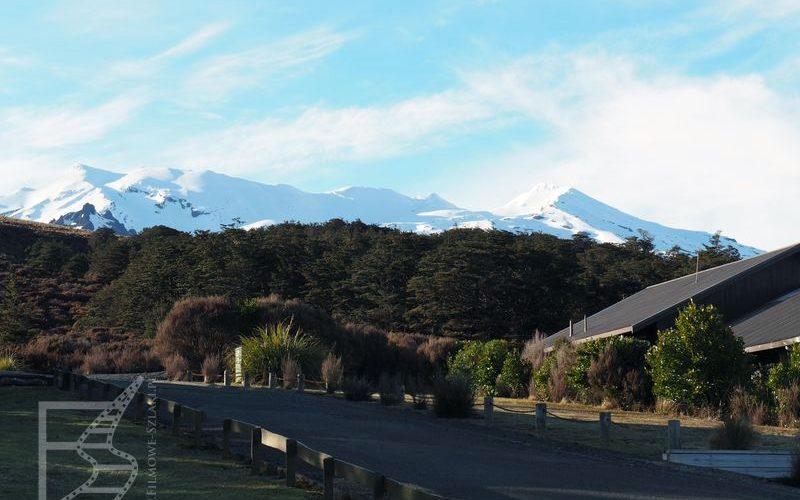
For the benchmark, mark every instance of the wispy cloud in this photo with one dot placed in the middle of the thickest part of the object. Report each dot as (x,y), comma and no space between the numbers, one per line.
(705,153)
(185,47)
(320,136)
(217,78)
(43,128)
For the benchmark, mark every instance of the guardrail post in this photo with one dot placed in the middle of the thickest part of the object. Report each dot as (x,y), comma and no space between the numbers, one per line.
(246,381)
(541,416)
(605,425)
(291,462)
(188,376)
(226,438)
(199,418)
(73,385)
(255,443)
(226,379)
(273,380)
(674,435)
(328,467)
(488,408)
(176,419)
(301,383)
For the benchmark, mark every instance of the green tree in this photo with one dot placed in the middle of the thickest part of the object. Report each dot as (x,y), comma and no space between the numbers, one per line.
(13,322)
(698,361)
(784,375)
(481,362)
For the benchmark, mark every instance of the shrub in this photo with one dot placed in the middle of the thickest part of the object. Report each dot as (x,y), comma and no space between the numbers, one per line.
(198,327)
(784,375)
(612,369)
(481,363)
(746,406)
(514,376)
(332,372)
(734,434)
(266,350)
(212,366)
(290,369)
(558,387)
(533,352)
(699,361)
(357,389)
(9,361)
(453,397)
(176,367)
(413,389)
(789,406)
(97,361)
(390,390)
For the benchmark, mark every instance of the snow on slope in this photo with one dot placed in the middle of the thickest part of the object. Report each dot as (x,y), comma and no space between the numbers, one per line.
(203,200)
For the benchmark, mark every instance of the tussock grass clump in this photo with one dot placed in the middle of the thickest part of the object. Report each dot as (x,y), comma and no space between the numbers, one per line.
(290,369)
(176,367)
(271,345)
(212,366)
(453,396)
(789,406)
(9,361)
(332,372)
(357,389)
(746,406)
(98,360)
(734,434)
(390,390)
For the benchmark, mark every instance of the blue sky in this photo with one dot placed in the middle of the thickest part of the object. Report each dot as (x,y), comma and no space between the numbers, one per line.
(685,113)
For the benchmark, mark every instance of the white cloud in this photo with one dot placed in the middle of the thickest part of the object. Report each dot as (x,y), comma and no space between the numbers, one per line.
(215,79)
(187,46)
(43,128)
(705,153)
(319,135)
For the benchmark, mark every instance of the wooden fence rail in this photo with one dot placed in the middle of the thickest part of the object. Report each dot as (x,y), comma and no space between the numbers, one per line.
(380,486)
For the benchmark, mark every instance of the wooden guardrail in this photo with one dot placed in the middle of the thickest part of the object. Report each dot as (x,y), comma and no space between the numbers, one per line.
(294,451)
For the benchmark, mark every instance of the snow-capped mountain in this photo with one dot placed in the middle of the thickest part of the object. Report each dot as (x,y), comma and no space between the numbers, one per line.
(92,198)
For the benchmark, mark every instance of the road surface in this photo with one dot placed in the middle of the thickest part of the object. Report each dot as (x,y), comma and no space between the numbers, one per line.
(460,459)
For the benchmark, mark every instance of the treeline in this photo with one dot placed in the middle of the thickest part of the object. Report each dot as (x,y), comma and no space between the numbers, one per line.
(469,284)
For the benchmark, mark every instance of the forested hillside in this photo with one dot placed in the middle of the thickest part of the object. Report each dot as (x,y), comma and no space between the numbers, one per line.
(463,283)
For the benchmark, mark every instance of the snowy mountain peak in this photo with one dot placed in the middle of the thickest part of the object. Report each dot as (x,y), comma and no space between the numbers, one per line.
(534,201)
(186,200)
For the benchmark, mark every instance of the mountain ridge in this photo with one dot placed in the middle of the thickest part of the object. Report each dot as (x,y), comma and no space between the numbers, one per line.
(90,198)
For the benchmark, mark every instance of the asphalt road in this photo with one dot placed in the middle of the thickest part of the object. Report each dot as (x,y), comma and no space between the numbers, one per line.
(460,459)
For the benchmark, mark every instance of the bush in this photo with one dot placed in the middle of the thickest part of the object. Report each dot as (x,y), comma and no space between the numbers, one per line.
(734,434)
(481,363)
(198,327)
(332,372)
(558,386)
(612,370)
(514,376)
(390,390)
(789,406)
(357,389)
(290,369)
(97,361)
(9,361)
(265,351)
(533,352)
(699,361)
(211,368)
(453,397)
(746,406)
(176,367)
(784,375)
(413,389)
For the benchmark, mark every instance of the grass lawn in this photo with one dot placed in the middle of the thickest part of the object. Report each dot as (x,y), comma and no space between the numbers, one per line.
(182,471)
(639,433)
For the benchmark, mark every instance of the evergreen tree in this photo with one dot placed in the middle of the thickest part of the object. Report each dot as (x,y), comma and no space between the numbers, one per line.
(13,322)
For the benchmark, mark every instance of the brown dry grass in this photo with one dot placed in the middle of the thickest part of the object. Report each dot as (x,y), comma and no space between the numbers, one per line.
(639,433)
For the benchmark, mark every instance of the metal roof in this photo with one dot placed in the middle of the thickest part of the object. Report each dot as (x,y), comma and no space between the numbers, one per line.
(647,306)
(774,325)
